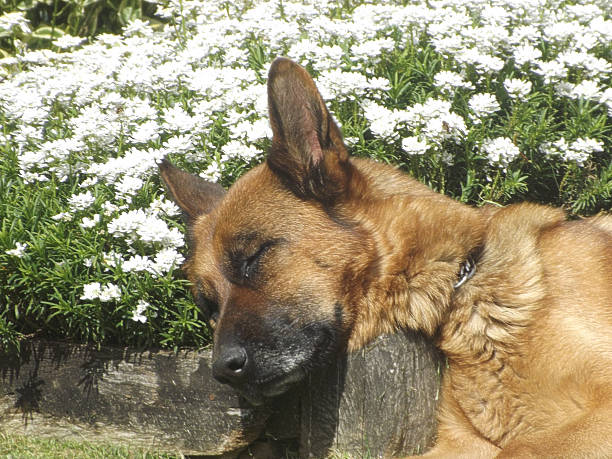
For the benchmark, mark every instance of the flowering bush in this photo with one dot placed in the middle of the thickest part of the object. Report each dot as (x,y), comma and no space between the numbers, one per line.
(485,101)
(36,23)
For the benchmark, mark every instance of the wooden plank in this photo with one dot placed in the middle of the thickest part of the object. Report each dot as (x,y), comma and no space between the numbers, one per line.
(153,399)
(379,401)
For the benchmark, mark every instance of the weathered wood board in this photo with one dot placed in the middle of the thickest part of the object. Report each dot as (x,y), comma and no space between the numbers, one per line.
(378,401)
(157,400)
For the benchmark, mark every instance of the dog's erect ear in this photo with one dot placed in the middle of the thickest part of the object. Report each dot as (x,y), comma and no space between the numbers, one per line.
(194,195)
(307,149)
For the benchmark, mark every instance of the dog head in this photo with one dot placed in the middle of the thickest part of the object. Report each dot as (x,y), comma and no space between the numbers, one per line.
(274,264)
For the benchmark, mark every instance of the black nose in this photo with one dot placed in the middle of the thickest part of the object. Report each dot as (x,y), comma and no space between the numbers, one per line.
(229,365)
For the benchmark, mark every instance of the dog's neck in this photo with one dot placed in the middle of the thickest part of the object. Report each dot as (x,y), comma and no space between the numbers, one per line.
(418,263)
(419,283)
(415,265)
(492,311)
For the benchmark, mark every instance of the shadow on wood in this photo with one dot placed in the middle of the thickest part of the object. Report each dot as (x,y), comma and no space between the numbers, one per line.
(377,402)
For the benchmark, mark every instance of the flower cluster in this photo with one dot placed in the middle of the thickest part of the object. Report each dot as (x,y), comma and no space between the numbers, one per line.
(106,293)
(579,150)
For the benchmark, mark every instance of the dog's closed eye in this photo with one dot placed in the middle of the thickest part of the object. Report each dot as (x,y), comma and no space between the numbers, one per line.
(250,264)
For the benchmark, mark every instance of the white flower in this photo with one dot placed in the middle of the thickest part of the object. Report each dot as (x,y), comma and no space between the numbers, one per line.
(252,130)
(136,163)
(557,147)
(564,89)
(95,126)
(89,181)
(90,222)
(166,259)
(449,81)
(517,89)
(88,262)
(179,144)
(484,62)
(127,222)
(606,98)
(414,145)
(212,172)
(81,201)
(109,292)
(382,120)
(112,259)
(525,33)
(578,151)
(62,216)
(109,208)
(137,27)
(573,58)
(588,90)
(581,149)
(500,150)
(434,121)
(443,127)
(336,83)
(146,132)
(597,68)
(371,50)
(19,251)
(483,105)
(138,314)
(91,291)
(164,206)
(579,157)
(136,225)
(17,20)
(527,53)
(128,187)
(95,290)
(68,41)
(551,71)
(236,149)
(137,263)
(138,110)
(157,231)
(177,119)
(588,145)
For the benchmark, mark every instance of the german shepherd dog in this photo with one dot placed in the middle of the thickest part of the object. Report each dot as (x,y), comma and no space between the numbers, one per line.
(314,253)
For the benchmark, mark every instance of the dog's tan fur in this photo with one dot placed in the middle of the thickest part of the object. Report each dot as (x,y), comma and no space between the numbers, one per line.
(528,338)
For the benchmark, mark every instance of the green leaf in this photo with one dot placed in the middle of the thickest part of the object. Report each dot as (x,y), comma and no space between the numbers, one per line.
(128,14)
(48,33)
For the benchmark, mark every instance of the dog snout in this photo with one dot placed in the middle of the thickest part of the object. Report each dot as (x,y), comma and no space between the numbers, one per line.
(230,365)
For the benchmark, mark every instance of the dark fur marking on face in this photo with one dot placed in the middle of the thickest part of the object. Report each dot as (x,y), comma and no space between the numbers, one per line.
(338,315)
(322,264)
(208,303)
(281,349)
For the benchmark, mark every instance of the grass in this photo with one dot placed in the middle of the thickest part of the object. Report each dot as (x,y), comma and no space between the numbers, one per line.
(25,447)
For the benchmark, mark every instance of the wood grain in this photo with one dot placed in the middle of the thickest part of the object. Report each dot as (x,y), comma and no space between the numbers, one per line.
(379,401)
